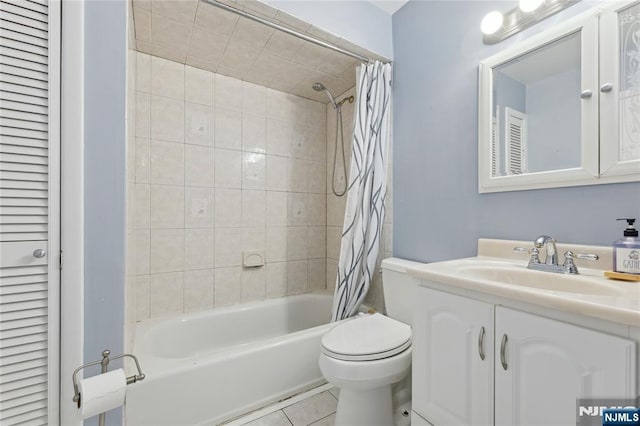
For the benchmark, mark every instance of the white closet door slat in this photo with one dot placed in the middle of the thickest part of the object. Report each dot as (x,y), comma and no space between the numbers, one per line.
(24,221)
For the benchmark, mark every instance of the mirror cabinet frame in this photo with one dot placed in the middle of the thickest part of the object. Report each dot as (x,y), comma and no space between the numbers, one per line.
(599,112)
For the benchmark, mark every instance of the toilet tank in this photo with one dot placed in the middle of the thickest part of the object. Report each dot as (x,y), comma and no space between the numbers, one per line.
(399,289)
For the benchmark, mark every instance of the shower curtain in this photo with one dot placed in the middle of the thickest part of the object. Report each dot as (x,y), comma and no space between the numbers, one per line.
(367,188)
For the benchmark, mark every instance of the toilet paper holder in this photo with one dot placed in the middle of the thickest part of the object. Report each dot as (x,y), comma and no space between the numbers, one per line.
(104,362)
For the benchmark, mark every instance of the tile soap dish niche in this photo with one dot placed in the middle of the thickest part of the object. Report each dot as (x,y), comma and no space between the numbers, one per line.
(252,259)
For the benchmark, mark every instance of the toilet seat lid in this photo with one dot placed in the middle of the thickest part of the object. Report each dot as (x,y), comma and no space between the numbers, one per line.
(367,338)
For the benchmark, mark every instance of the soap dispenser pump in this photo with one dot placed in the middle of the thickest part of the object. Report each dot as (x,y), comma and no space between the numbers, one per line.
(626,250)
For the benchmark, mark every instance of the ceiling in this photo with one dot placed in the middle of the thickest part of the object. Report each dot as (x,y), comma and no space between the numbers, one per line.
(198,34)
(389,6)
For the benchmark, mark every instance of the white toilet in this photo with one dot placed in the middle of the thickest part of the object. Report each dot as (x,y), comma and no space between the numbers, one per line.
(366,355)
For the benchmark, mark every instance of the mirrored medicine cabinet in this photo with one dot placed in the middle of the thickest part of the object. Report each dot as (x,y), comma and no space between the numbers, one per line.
(562,108)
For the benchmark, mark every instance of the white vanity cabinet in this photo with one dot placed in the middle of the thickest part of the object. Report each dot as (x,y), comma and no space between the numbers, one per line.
(533,370)
(453,359)
(544,366)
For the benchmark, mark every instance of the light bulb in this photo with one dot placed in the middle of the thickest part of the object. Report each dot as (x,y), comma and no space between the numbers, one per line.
(491,22)
(529,5)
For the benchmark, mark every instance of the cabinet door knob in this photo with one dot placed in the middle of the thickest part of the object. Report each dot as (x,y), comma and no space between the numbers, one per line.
(606,88)
(39,253)
(481,343)
(586,94)
(503,350)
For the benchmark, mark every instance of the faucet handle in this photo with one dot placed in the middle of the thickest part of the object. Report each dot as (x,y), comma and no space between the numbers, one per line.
(587,256)
(534,253)
(569,257)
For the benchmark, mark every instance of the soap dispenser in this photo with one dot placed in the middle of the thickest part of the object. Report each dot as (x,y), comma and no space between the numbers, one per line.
(626,251)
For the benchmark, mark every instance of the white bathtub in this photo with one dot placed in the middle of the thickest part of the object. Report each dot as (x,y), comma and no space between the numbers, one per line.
(209,367)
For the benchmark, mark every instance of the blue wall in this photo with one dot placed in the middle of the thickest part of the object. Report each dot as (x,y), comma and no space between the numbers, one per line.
(104,144)
(360,22)
(438,213)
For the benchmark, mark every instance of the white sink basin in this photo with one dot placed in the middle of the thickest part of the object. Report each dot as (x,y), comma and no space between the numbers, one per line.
(521,276)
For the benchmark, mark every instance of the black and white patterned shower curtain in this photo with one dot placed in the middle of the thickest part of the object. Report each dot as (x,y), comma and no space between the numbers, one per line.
(364,213)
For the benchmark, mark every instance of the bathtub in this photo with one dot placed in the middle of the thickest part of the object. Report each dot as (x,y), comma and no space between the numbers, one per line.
(205,368)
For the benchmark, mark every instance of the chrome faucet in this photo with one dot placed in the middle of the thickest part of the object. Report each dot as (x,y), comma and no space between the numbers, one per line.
(551,261)
(550,244)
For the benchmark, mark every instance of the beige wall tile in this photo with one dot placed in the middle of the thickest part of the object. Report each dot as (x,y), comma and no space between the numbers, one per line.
(297,209)
(254,133)
(167,250)
(228,168)
(253,284)
(228,208)
(228,247)
(316,177)
(167,78)
(317,210)
(199,169)
(277,208)
(228,128)
(228,286)
(198,249)
(276,244)
(198,207)
(142,206)
(142,161)
(297,175)
(278,105)
(276,280)
(140,247)
(253,171)
(253,208)
(166,293)
(277,173)
(317,274)
(166,163)
(317,247)
(199,124)
(167,119)
(143,115)
(198,86)
(278,137)
(198,290)
(167,207)
(253,239)
(297,241)
(297,277)
(141,290)
(254,99)
(228,93)
(143,72)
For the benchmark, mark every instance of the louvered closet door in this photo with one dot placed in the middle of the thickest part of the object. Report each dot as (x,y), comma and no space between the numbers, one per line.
(25,278)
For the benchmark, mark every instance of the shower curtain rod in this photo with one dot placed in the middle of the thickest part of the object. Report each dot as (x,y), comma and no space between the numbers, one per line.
(289,31)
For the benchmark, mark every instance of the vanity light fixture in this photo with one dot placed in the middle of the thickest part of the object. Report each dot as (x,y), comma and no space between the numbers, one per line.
(528,13)
(529,5)
(492,22)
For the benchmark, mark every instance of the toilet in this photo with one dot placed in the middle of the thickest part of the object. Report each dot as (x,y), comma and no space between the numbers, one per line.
(366,355)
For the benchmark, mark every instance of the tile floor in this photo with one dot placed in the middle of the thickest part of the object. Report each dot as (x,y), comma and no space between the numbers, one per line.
(315,409)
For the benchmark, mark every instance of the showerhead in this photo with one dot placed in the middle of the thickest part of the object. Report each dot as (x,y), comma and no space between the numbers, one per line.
(319,87)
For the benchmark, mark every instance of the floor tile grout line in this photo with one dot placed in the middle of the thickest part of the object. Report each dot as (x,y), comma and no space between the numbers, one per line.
(319,420)
(287,417)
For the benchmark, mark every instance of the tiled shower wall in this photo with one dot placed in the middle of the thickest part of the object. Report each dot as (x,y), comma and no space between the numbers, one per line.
(336,205)
(219,167)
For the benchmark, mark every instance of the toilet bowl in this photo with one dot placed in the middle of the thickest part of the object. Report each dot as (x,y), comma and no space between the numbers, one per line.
(364,357)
